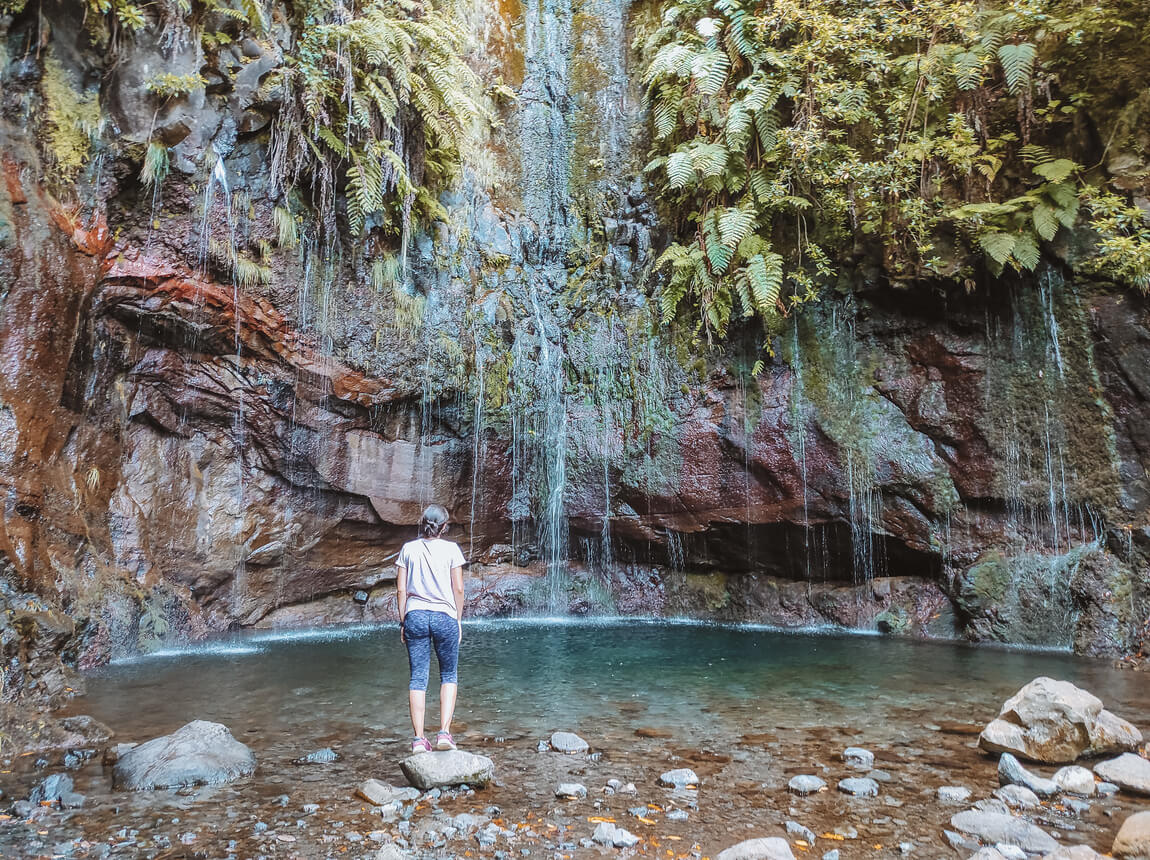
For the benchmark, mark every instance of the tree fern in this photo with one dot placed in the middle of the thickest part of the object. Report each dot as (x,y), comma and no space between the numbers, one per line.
(1017,64)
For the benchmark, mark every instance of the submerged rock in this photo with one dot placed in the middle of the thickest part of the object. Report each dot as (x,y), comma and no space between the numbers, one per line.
(1011,772)
(679,778)
(381,793)
(324,756)
(1056,722)
(858,758)
(805,784)
(571,790)
(449,768)
(954,794)
(770,848)
(568,742)
(797,830)
(1129,772)
(610,834)
(199,753)
(995,827)
(859,786)
(1133,839)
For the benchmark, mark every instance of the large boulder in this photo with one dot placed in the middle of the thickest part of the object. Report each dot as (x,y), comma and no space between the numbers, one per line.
(444,769)
(998,827)
(200,753)
(1129,772)
(771,848)
(1056,722)
(1133,839)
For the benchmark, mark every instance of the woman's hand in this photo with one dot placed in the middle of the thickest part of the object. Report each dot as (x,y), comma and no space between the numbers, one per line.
(402,633)
(460,622)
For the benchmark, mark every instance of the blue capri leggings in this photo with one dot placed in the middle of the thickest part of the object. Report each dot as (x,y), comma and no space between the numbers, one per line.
(423,628)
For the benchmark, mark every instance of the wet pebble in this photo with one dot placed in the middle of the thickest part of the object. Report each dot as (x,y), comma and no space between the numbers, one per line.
(321,756)
(1105,789)
(805,784)
(1075,780)
(859,786)
(568,742)
(679,778)
(858,758)
(677,815)
(833,854)
(1017,796)
(607,833)
(571,790)
(953,794)
(1011,772)
(798,831)
(310,808)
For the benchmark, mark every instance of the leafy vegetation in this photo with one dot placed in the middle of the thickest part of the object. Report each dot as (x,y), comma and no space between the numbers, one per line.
(73,119)
(794,138)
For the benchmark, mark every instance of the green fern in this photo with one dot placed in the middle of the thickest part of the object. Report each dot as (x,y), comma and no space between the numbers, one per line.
(1017,64)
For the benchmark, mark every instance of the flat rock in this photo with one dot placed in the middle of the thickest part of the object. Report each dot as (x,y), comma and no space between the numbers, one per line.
(1056,722)
(1074,780)
(1017,796)
(1133,839)
(770,848)
(995,827)
(571,789)
(679,778)
(800,832)
(1129,772)
(1010,852)
(858,758)
(1074,852)
(200,753)
(448,768)
(610,834)
(381,793)
(805,784)
(953,794)
(859,786)
(569,742)
(1011,772)
(987,853)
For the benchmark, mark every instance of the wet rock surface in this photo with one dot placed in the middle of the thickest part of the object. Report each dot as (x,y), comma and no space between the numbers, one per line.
(447,769)
(1129,772)
(1133,839)
(199,753)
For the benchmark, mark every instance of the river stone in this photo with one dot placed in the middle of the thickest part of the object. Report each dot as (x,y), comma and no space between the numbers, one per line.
(610,834)
(770,848)
(324,756)
(1010,852)
(1133,839)
(1129,772)
(1011,772)
(1017,796)
(381,793)
(797,830)
(447,768)
(805,784)
(568,742)
(858,758)
(1074,780)
(987,853)
(679,778)
(200,753)
(859,786)
(1055,722)
(833,854)
(954,794)
(996,827)
(1074,852)
(571,789)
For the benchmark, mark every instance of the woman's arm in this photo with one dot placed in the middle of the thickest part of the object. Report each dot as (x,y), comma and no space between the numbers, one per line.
(401,595)
(457,591)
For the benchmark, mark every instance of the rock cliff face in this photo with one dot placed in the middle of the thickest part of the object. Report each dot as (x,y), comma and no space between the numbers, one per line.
(183,449)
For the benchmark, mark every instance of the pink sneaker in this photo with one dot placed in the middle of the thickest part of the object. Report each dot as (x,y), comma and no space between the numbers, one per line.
(420,745)
(445,741)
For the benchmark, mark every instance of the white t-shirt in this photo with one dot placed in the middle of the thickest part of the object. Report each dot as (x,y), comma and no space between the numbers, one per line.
(429,564)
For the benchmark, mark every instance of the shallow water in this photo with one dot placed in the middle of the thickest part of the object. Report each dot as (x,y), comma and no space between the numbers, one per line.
(745,707)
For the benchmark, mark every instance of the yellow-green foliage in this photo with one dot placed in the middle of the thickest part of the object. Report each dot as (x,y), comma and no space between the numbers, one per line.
(168,85)
(783,131)
(357,79)
(156,164)
(73,118)
(287,231)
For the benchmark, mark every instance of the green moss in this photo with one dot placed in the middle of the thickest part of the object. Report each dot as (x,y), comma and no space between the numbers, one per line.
(711,588)
(73,119)
(990,578)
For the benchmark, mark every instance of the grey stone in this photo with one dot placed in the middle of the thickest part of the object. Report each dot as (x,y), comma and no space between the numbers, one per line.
(770,848)
(959,842)
(1074,780)
(997,827)
(805,784)
(1133,839)
(324,756)
(1010,852)
(381,793)
(610,834)
(880,776)
(905,847)
(1011,772)
(679,778)
(858,758)
(571,790)
(833,854)
(1076,805)
(1074,852)
(797,830)
(447,768)
(953,794)
(1017,796)
(1129,772)
(1111,734)
(987,853)
(199,753)
(859,786)
(1105,789)
(567,742)
(51,789)
(992,804)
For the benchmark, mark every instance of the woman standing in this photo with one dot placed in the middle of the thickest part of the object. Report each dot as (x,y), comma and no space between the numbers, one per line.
(429,583)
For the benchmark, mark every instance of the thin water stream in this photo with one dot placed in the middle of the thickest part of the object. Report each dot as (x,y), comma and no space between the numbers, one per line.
(746,708)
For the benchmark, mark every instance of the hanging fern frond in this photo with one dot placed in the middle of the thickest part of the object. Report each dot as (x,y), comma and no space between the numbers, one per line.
(1017,64)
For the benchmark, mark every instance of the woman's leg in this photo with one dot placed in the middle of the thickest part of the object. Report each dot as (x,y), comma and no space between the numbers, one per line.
(417,633)
(445,635)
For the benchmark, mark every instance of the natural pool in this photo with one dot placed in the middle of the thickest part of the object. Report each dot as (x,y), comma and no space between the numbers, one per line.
(746,708)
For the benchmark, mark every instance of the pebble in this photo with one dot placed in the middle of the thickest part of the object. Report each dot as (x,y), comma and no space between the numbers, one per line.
(880,776)
(1010,852)
(858,758)
(1075,780)
(1076,805)
(677,815)
(1105,789)
(679,778)
(1017,796)
(797,830)
(954,794)
(805,784)
(310,808)
(859,786)
(568,742)
(1011,772)
(905,847)
(833,854)
(571,790)
(322,756)
(609,834)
